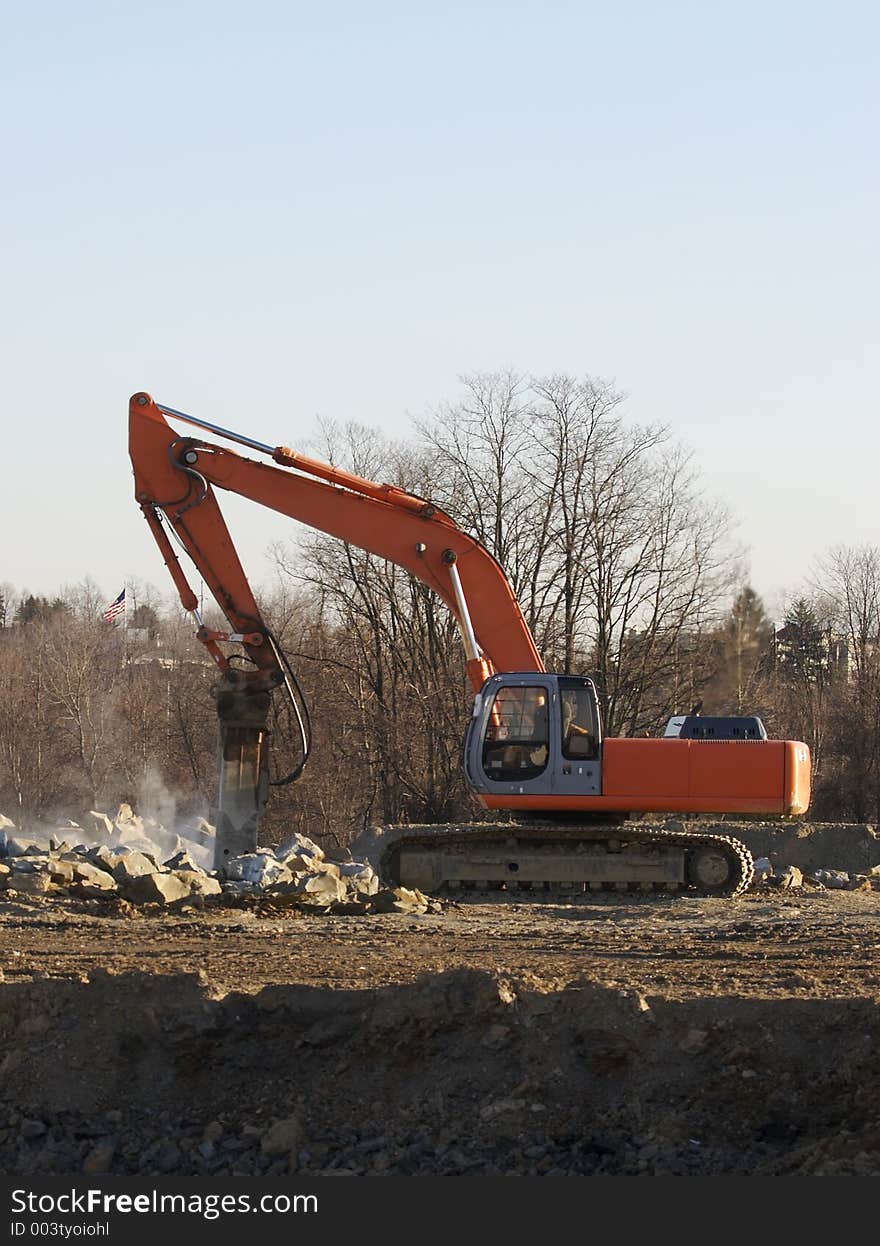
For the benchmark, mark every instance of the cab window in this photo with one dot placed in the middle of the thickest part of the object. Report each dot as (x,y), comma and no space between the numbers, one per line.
(578,727)
(517,742)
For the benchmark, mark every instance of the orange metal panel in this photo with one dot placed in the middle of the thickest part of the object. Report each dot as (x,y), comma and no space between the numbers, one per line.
(716,771)
(634,767)
(737,768)
(797,777)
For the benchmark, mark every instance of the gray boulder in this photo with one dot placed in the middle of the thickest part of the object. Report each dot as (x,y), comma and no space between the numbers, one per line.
(831,878)
(31,864)
(763,871)
(18,846)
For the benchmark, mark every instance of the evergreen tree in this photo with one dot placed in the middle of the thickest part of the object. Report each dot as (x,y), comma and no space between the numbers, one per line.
(743,645)
(801,646)
(33,609)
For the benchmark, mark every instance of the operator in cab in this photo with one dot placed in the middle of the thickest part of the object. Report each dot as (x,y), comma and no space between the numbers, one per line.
(577,741)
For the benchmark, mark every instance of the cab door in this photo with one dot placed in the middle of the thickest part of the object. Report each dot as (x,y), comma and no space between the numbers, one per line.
(577,757)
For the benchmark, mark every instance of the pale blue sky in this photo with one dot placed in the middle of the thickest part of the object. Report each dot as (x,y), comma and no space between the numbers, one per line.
(265,212)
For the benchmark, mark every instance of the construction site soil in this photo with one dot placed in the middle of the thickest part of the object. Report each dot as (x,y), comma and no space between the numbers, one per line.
(526,1034)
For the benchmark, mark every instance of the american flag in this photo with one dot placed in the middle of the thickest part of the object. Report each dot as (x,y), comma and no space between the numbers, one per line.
(115,608)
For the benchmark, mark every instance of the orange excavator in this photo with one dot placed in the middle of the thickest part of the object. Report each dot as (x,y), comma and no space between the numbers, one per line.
(534,746)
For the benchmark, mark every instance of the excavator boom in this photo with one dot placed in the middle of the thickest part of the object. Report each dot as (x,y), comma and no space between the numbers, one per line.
(178,475)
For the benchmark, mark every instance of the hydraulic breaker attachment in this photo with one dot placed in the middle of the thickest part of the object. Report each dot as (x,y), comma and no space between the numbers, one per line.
(243,701)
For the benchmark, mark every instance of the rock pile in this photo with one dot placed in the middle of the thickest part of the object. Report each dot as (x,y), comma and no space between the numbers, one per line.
(136,860)
(789,876)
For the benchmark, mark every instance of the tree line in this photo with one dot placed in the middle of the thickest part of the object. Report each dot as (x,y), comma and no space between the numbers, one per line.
(621,562)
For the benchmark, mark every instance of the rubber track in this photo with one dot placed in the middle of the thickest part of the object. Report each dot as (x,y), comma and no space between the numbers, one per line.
(551,834)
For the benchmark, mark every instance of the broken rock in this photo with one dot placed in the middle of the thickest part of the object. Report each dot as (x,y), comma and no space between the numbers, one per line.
(129,865)
(362,877)
(860,882)
(763,871)
(31,884)
(101,824)
(199,884)
(102,856)
(30,864)
(321,887)
(351,908)
(399,900)
(62,872)
(201,832)
(299,846)
(17,846)
(91,880)
(261,868)
(155,889)
(831,878)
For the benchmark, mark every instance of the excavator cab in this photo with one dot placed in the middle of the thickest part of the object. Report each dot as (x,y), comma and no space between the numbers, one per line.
(535,734)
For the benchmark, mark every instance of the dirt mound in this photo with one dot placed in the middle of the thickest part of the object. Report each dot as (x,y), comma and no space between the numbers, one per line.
(457,1073)
(851,846)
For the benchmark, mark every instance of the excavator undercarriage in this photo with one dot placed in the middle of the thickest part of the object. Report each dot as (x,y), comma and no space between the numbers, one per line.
(547,856)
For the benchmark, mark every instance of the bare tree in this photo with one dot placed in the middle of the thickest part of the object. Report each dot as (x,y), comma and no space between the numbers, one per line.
(477,451)
(31,764)
(847,583)
(84,673)
(573,420)
(657,572)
